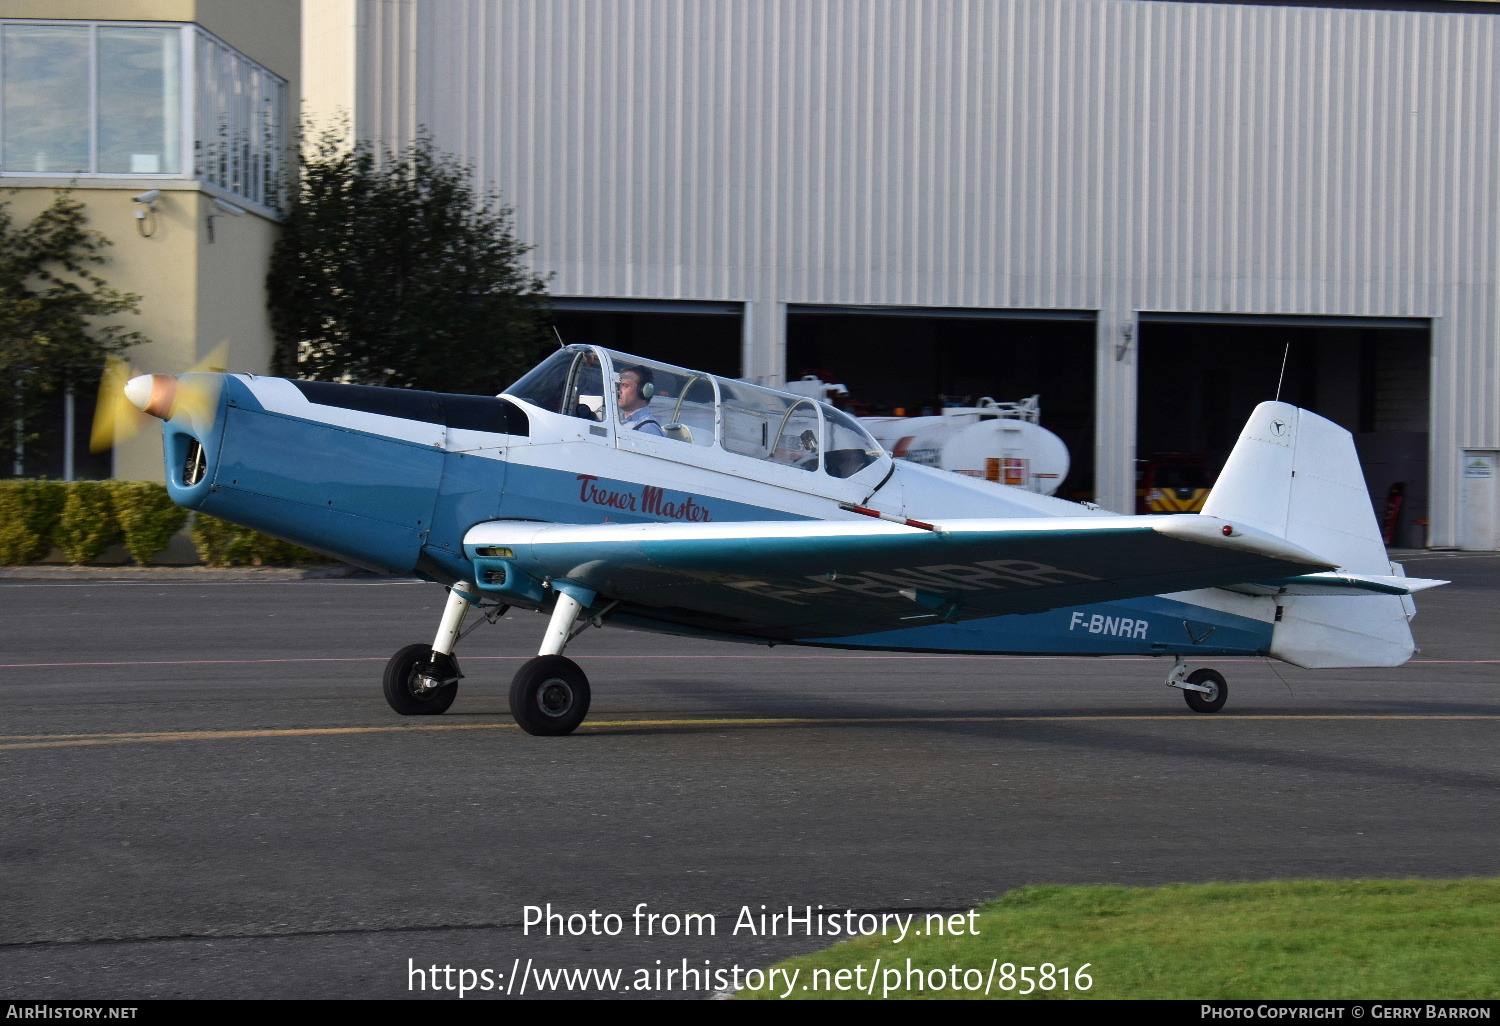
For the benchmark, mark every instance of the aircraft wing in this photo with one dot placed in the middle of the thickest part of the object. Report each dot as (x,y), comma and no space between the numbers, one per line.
(809,579)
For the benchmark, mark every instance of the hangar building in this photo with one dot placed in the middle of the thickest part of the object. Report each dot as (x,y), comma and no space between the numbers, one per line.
(1154,213)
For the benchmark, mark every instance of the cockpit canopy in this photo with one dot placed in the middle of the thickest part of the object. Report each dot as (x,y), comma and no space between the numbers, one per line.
(694,408)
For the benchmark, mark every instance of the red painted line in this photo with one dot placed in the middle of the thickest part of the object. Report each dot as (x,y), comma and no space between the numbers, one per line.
(903,656)
(197,662)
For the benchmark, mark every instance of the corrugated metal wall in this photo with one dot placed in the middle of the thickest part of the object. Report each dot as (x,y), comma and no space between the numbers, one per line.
(386,79)
(1114,155)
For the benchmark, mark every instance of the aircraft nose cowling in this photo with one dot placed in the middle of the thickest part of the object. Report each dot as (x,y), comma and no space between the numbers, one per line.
(153,393)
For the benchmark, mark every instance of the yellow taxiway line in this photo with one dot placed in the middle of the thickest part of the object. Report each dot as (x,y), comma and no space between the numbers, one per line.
(22,741)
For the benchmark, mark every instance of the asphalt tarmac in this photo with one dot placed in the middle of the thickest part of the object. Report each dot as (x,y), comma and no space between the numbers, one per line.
(206,796)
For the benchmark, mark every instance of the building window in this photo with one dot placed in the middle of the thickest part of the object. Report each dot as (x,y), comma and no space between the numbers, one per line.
(139,100)
(47,102)
(240,129)
(102,99)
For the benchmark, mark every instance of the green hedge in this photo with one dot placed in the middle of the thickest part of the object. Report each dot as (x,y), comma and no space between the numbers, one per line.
(87,525)
(147,516)
(29,512)
(83,518)
(220,543)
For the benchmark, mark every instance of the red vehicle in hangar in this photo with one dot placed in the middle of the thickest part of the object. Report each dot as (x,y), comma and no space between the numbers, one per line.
(1174,482)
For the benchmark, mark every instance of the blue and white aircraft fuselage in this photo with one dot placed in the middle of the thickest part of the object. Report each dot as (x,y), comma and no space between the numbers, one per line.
(695,504)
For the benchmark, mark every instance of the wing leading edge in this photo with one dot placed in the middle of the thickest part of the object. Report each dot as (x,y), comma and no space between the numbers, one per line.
(822,579)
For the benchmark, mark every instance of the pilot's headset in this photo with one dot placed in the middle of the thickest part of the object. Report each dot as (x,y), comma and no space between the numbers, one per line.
(643,375)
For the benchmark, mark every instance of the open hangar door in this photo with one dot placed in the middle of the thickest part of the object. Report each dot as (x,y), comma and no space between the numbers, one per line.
(698,335)
(1201,375)
(917,359)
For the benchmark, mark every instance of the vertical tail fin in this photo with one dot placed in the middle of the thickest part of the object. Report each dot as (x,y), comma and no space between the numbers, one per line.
(1297,476)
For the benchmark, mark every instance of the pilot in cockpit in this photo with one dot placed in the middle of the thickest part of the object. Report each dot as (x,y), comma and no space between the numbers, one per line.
(633,390)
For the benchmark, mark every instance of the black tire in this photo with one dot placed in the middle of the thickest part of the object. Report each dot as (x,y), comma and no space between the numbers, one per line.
(549,696)
(1207,703)
(402,690)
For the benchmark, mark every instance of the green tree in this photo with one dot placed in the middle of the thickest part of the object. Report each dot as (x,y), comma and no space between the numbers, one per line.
(54,311)
(395,269)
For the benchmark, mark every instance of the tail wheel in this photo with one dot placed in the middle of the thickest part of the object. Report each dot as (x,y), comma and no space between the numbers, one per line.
(419,682)
(549,696)
(1209,701)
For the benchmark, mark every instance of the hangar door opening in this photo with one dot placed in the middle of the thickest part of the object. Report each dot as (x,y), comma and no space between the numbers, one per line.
(1201,375)
(913,361)
(698,335)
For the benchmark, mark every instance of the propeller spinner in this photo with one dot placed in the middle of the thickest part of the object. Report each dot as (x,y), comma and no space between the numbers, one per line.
(153,394)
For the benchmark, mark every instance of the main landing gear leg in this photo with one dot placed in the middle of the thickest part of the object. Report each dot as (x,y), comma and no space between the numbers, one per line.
(422,680)
(1204,690)
(550,694)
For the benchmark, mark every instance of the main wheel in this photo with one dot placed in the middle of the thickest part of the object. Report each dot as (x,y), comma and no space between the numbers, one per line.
(549,696)
(1211,701)
(410,681)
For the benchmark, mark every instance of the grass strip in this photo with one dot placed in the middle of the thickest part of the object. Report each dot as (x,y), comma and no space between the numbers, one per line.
(1298,939)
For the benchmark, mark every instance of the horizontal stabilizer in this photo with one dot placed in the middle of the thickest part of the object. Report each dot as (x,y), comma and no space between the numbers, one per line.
(1337,584)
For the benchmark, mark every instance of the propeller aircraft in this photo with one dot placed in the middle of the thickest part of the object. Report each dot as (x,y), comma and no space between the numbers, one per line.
(602,488)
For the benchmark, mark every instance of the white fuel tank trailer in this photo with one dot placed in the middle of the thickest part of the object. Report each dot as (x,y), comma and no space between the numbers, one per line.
(1001,442)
